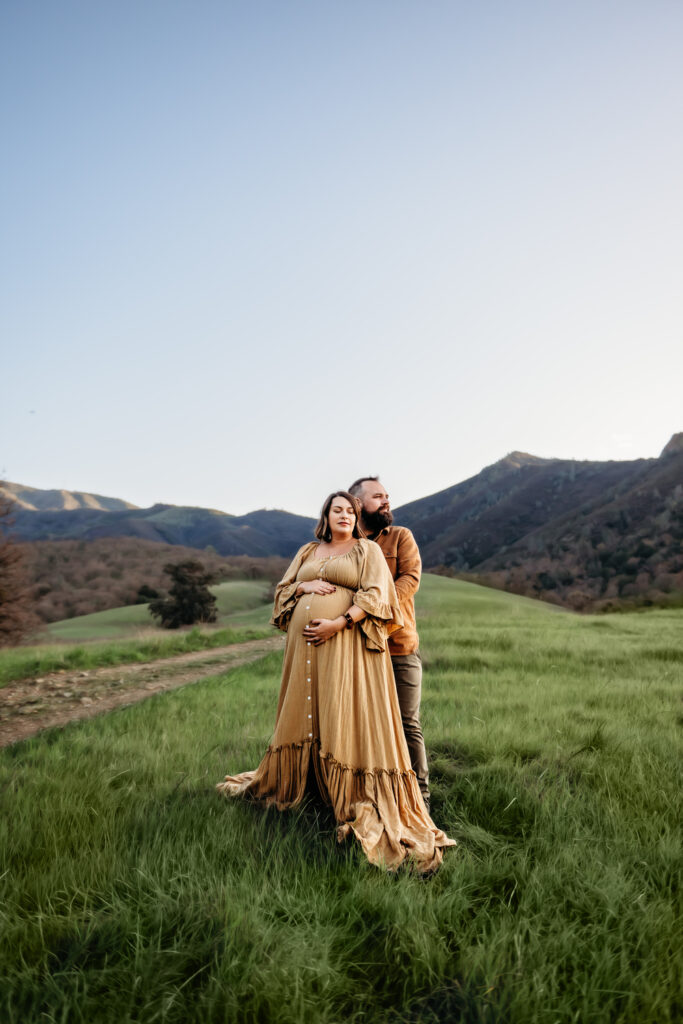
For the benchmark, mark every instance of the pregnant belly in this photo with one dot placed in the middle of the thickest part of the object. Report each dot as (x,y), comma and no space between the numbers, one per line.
(321,606)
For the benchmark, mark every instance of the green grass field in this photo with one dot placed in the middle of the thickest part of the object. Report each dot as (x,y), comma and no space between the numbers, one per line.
(131,892)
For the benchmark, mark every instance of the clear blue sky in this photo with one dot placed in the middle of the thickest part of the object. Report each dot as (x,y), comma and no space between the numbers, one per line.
(253,250)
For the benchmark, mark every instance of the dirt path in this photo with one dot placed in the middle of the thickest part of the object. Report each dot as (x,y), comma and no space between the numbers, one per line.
(29,706)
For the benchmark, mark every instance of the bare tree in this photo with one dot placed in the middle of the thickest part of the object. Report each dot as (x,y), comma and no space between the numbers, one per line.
(17,619)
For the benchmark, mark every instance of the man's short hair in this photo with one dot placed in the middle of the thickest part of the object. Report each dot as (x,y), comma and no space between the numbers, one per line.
(357,485)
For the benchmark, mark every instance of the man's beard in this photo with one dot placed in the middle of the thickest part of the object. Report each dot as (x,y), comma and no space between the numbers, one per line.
(374,522)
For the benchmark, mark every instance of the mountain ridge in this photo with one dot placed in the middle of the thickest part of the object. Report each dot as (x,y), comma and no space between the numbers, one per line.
(587,534)
(675,444)
(36,499)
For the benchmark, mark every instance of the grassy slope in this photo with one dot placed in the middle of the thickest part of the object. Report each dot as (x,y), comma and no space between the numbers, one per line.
(236,595)
(127,634)
(132,893)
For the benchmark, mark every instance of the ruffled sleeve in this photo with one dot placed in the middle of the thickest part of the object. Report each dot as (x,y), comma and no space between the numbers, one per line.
(377,596)
(285,592)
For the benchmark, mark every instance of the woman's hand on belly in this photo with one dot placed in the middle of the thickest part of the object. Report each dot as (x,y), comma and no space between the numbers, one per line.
(320,630)
(316,587)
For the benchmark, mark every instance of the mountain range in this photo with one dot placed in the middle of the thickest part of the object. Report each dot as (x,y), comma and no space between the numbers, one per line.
(587,534)
(259,534)
(581,533)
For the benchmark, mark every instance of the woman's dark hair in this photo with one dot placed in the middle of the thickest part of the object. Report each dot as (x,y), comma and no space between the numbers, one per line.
(322,530)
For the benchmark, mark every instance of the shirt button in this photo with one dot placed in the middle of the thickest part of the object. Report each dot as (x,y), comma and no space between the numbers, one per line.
(310,734)
(308,662)
(309,696)
(310,716)
(308,680)
(308,643)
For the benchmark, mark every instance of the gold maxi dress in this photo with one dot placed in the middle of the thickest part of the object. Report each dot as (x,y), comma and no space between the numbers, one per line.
(338,714)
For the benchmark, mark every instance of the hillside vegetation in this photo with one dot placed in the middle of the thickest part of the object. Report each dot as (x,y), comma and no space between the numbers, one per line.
(74,578)
(589,535)
(133,893)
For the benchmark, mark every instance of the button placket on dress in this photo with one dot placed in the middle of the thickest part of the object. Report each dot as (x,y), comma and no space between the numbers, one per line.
(308,680)
(308,720)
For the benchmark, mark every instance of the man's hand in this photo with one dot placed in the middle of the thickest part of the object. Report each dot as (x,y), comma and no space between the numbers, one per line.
(320,630)
(316,587)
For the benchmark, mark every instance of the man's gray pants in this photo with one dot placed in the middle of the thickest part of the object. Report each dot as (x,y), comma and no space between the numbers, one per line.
(408,676)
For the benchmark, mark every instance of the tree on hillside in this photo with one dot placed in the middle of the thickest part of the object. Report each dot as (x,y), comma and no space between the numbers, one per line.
(145,594)
(17,619)
(189,600)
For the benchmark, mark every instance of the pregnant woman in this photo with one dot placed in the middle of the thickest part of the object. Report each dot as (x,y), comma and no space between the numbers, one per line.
(338,715)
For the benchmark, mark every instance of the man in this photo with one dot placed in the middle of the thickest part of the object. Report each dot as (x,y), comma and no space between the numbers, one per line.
(403,559)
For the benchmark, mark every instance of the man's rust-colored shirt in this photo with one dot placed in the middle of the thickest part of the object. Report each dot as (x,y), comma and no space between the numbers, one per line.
(405,565)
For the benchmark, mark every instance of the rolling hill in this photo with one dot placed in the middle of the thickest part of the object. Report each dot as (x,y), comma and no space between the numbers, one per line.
(69,578)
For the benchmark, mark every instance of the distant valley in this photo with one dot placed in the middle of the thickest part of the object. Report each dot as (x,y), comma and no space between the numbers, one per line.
(587,535)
